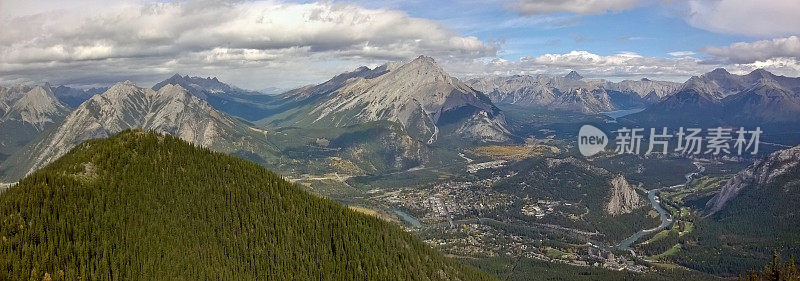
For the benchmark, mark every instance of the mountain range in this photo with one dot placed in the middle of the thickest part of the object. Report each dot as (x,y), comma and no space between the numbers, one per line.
(572,92)
(171,109)
(405,117)
(235,101)
(758,98)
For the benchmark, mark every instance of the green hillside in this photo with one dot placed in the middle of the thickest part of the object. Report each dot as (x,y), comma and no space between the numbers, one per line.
(143,206)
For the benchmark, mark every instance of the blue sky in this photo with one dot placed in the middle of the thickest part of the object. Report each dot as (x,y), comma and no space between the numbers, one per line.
(284,44)
(650,30)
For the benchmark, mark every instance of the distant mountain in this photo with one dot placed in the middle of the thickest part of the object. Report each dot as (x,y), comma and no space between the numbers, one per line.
(74,97)
(235,101)
(10,95)
(202,87)
(573,75)
(147,206)
(172,110)
(27,112)
(650,91)
(572,92)
(759,98)
(419,95)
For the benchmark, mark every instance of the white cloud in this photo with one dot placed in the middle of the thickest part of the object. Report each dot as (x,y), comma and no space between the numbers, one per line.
(747,17)
(625,65)
(681,53)
(750,52)
(168,37)
(531,7)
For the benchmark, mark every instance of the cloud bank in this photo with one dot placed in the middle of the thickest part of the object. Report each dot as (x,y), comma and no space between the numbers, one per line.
(750,52)
(625,65)
(159,37)
(746,17)
(274,44)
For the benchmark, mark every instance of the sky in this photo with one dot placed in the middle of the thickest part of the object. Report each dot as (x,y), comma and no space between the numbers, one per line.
(287,44)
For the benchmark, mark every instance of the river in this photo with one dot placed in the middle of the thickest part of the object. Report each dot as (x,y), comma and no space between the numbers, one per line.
(408,218)
(655,201)
(620,113)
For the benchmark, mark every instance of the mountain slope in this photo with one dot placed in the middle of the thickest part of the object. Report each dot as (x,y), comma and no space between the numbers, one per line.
(125,106)
(776,169)
(755,214)
(29,114)
(229,99)
(148,206)
(419,95)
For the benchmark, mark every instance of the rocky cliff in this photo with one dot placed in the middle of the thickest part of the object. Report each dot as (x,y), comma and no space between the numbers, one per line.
(624,198)
(762,173)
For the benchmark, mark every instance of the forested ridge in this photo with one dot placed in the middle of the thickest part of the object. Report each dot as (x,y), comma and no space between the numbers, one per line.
(145,206)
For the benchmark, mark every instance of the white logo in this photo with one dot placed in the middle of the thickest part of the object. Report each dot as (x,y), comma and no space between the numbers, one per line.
(591,140)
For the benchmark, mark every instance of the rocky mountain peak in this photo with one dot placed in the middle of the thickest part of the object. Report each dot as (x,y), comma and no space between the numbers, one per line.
(718,72)
(422,59)
(198,86)
(9,95)
(423,66)
(415,95)
(760,74)
(573,75)
(37,107)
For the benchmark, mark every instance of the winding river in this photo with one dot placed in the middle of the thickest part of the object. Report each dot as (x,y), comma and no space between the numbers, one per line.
(655,201)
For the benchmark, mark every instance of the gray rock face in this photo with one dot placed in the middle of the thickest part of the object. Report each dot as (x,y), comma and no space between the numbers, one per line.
(26,113)
(170,110)
(10,95)
(760,174)
(624,198)
(37,107)
(418,95)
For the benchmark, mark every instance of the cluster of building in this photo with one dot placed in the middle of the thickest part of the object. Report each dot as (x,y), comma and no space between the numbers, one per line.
(450,200)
